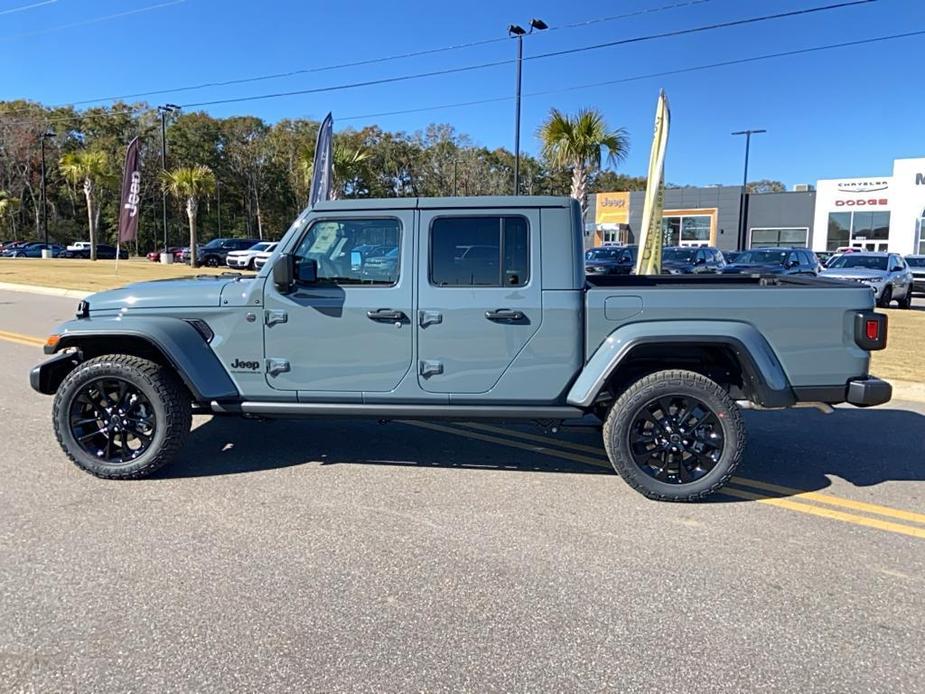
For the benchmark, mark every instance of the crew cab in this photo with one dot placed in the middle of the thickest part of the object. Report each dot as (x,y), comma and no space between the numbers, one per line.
(485,313)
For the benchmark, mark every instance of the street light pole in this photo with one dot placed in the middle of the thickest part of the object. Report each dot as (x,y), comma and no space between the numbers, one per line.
(218,193)
(743,205)
(519,32)
(45,136)
(164,110)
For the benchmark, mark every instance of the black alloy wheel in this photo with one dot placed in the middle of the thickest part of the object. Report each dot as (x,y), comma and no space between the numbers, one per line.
(112,420)
(886,297)
(676,439)
(212,261)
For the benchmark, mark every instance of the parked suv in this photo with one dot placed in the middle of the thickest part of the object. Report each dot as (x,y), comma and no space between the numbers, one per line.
(774,261)
(247,259)
(214,253)
(886,273)
(916,265)
(685,260)
(610,260)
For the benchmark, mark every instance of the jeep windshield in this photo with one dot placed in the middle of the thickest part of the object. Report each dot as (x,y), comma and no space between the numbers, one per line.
(679,255)
(916,262)
(869,262)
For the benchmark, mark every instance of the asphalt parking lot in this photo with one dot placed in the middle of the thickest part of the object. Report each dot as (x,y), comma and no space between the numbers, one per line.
(337,556)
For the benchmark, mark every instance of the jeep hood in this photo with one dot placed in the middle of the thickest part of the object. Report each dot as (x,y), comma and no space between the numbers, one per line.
(853,273)
(193,292)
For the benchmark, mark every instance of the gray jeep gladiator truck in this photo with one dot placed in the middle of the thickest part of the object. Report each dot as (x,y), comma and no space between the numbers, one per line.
(459,308)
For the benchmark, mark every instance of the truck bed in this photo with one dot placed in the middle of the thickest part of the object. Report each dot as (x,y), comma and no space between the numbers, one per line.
(808,325)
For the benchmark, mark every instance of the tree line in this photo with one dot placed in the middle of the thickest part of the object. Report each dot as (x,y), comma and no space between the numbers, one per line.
(260,172)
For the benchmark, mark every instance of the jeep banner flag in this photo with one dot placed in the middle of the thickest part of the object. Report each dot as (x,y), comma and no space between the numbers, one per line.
(131,194)
(323,164)
(649,261)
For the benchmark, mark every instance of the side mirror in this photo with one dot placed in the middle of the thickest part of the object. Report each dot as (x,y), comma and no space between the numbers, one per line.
(306,270)
(897,268)
(284,273)
(700,261)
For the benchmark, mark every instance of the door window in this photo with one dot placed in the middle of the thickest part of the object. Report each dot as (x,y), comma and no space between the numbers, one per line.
(479,252)
(354,251)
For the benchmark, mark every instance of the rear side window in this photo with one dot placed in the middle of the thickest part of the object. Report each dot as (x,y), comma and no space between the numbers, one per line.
(479,252)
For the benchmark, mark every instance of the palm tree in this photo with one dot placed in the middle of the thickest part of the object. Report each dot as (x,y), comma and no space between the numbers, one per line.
(90,167)
(347,167)
(189,183)
(8,207)
(578,143)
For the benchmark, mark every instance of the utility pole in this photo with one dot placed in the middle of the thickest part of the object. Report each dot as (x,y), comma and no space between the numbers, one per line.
(163,111)
(743,204)
(46,135)
(218,193)
(519,32)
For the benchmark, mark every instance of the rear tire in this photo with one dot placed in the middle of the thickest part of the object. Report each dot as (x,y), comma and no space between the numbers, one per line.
(886,297)
(906,301)
(212,261)
(674,436)
(121,417)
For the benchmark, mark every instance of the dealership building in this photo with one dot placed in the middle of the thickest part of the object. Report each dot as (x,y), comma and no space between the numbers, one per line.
(874,213)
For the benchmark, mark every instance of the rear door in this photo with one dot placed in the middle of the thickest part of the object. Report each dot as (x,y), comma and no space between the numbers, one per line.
(351,331)
(480,296)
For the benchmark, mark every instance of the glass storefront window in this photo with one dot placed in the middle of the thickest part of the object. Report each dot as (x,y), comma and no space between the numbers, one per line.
(839,230)
(796,237)
(880,225)
(687,230)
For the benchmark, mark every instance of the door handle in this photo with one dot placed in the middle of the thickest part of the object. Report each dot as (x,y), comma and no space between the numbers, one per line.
(504,314)
(387,315)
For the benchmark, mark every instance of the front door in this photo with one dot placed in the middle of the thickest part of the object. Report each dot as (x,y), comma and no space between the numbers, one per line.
(351,331)
(480,298)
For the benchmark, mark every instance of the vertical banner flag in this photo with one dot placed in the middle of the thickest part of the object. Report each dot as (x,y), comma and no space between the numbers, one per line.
(322,166)
(649,261)
(131,194)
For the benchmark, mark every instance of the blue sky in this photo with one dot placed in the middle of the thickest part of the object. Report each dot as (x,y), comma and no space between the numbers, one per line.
(845,112)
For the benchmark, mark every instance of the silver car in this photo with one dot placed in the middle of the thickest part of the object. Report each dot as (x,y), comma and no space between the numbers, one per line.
(887,274)
(916,263)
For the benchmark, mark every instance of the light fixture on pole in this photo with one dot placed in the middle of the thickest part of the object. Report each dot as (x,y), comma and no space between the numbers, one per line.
(518,32)
(163,111)
(743,204)
(45,136)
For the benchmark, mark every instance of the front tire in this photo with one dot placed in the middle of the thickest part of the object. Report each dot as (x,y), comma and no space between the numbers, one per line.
(675,436)
(121,417)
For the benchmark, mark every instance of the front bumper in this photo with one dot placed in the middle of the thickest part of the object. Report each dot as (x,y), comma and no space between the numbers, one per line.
(237,262)
(47,376)
(918,285)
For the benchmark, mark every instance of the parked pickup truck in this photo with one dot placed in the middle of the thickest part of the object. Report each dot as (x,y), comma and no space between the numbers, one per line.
(486,313)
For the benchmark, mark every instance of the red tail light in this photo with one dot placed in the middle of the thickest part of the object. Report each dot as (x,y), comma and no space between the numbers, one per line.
(870,330)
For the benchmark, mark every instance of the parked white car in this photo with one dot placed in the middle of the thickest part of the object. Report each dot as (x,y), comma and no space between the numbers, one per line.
(263,257)
(245,259)
(79,246)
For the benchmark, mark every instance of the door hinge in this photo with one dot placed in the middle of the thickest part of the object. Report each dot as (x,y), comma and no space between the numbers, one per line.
(431,368)
(277,366)
(274,316)
(426,318)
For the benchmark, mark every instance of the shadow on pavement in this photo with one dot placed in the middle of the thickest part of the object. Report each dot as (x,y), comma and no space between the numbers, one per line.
(794,448)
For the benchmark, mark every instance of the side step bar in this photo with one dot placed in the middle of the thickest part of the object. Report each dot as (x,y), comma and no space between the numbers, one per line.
(382,411)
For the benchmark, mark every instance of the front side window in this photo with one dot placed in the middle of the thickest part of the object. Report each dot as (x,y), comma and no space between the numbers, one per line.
(344,250)
(479,252)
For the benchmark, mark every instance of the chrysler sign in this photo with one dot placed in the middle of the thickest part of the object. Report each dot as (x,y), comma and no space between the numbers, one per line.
(862,186)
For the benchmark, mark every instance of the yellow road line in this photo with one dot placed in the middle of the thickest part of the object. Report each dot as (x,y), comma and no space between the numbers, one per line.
(825,512)
(828,499)
(788,504)
(21,339)
(507,442)
(864,506)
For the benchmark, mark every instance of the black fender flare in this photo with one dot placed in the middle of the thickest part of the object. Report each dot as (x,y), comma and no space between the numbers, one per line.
(178,341)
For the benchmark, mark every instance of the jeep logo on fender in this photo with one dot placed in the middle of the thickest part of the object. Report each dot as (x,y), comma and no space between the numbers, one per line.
(239,364)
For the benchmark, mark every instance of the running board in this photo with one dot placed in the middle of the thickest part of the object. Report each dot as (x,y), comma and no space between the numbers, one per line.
(381,411)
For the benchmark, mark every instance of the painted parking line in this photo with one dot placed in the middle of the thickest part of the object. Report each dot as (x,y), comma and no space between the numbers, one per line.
(777,489)
(21,339)
(778,502)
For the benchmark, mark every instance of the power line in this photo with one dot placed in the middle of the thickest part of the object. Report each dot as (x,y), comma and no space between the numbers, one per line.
(480,66)
(708,27)
(31,6)
(381,59)
(95,20)
(636,39)
(651,75)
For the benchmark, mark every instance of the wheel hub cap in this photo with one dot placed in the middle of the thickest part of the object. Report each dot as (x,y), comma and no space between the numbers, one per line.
(112,420)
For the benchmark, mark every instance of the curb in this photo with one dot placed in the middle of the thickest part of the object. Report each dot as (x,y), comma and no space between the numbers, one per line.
(907,390)
(47,291)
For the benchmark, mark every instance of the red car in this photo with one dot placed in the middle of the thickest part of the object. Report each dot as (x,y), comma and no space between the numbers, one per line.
(155,256)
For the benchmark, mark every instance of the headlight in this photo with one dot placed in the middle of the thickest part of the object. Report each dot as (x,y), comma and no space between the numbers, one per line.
(874,279)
